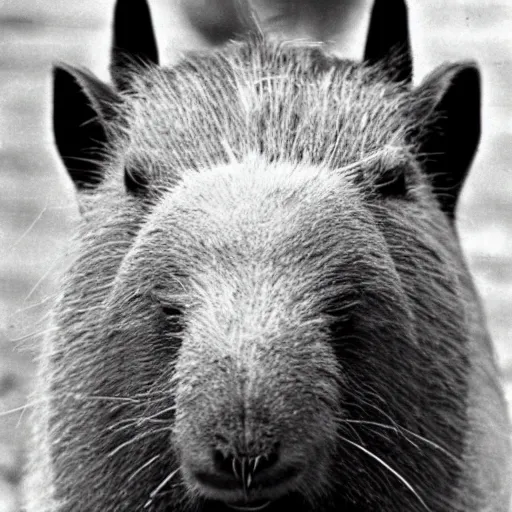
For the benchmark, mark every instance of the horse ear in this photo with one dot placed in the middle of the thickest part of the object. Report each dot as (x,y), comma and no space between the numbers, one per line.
(388,40)
(133,39)
(452,93)
(81,107)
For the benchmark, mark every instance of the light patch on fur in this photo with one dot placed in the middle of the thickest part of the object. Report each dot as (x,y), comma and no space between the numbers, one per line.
(288,103)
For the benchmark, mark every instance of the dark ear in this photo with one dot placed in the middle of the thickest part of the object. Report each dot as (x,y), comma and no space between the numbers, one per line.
(453,128)
(81,106)
(133,39)
(388,39)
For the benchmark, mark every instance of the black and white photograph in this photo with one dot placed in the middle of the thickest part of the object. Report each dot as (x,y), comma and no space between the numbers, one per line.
(255,255)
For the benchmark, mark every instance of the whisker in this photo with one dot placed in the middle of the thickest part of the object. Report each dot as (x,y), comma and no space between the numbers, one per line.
(110,398)
(145,465)
(131,422)
(29,228)
(48,271)
(405,430)
(75,396)
(128,422)
(21,408)
(389,468)
(159,413)
(391,420)
(155,491)
(34,305)
(394,428)
(33,334)
(135,439)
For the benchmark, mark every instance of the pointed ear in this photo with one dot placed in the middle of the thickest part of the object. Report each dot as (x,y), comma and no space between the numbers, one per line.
(133,39)
(453,128)
(81,106)
(388,39)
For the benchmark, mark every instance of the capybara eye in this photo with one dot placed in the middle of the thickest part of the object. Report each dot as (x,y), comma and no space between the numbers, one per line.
(170,311)
(342,325)
(135,181)
(392,182)
(173,317)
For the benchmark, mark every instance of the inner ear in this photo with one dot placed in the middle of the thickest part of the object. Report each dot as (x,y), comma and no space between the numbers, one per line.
(388,41)
(450,141)
(133,39)
(82,106)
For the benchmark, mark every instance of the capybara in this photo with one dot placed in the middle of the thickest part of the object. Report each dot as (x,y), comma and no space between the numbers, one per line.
(267,306)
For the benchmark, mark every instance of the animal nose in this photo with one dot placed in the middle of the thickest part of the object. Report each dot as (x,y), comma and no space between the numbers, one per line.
(244,468)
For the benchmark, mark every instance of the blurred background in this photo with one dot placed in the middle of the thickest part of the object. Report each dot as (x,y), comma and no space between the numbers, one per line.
(37,202)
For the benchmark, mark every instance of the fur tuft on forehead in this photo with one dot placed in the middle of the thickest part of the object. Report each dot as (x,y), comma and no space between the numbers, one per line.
(288,103)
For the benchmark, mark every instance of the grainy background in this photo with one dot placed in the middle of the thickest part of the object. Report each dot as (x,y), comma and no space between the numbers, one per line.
(37,207)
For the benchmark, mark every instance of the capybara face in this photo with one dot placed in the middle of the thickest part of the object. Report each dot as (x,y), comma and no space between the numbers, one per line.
(267,303)
(267,306)
(271,298)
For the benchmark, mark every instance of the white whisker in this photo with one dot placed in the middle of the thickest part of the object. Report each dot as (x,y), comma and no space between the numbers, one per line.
(155,491)
(134,440)
(403,430)
(145,465)
(390,469)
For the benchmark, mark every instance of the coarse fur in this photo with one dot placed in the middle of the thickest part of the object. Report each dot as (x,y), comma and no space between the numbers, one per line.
(264,266)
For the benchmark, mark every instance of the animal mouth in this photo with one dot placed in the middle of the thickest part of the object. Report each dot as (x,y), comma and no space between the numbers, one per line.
(241,488)
(249,507)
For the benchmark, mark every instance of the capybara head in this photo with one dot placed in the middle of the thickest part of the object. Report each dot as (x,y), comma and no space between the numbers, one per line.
(267,306)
